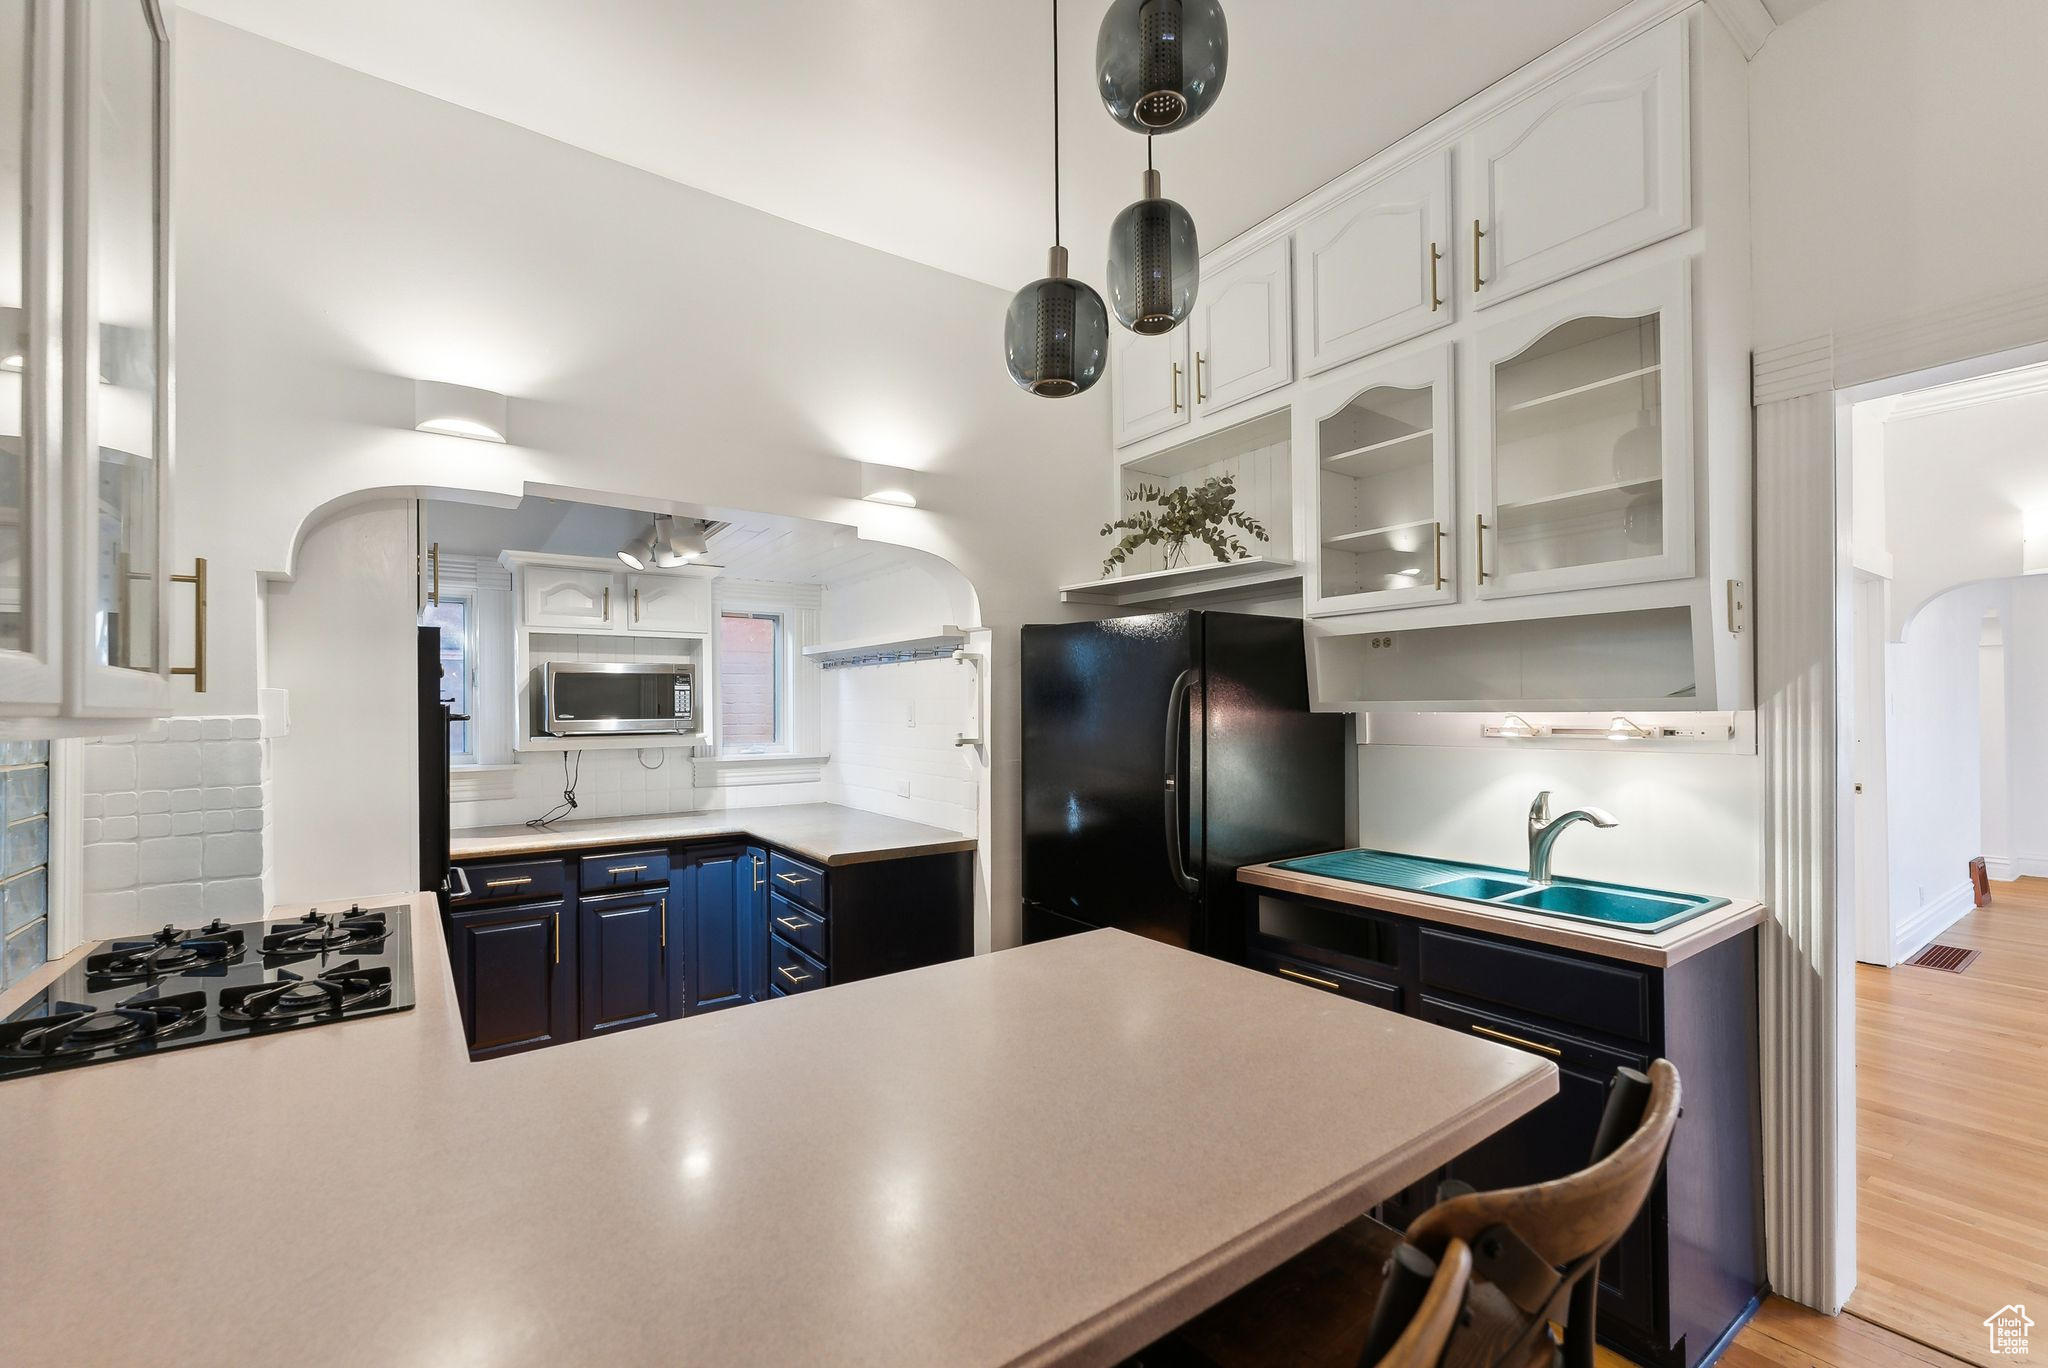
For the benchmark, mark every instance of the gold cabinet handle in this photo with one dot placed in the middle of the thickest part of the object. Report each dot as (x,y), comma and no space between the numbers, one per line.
(1439,544)
(1176,387)
(792,975)
(556,918)
(793,878)
(636,605)
(1201,395)
(1479,542)
(1330,984)
(628,869)
(197,669)
(793,923)
(664,923)
(1477,234)
(520,882)
(434,559)
(607,600)
(1435,293)
(1504,1038)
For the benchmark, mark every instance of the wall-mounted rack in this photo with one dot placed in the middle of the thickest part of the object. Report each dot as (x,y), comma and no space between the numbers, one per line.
(891,651)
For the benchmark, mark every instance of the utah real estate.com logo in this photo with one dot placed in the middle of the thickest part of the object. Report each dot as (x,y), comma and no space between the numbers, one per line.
(2008,1328)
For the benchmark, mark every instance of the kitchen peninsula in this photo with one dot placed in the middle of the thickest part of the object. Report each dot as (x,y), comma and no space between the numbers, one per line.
(1050,1154)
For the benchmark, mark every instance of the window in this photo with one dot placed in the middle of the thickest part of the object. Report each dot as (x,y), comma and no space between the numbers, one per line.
(456,619)
(751,707)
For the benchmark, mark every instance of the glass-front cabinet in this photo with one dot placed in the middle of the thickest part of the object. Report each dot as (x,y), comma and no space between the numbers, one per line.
(84,361)
(1583,441)
(1385,496)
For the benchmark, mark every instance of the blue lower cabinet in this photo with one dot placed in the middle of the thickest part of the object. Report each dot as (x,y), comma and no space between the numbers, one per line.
(622,960)
(721,896)
(515,976)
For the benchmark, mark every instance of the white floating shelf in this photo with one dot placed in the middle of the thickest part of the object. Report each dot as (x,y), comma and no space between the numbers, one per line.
(1578,503)
(887,650)
(1217,579)
(1359,459)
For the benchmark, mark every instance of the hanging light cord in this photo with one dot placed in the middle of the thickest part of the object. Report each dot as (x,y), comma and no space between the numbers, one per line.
(1148,151)
(1055,123)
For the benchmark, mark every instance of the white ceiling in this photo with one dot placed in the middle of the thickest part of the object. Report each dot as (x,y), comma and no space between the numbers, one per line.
(921,127)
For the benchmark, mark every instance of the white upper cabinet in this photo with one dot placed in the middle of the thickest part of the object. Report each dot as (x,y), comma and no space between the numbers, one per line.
(559,598)
(1242,329)
(85,368)
(1383,496)
(1583,440)
(1151,388)
(1377,266)
(664,605)
(1580,172)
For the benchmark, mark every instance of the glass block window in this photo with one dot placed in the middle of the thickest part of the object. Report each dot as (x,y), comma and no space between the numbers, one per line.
(24,857)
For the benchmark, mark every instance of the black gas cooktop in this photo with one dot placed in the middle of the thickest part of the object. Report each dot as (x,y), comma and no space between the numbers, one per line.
(194,986)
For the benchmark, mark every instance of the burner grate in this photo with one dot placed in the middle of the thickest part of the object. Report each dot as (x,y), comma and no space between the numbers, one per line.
(1950,959)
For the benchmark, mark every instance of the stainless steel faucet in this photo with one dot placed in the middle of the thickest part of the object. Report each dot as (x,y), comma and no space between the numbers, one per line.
(1543,832)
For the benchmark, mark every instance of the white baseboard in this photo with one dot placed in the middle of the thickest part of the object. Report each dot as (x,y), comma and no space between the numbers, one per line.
(2005,868)
(1998,868)
(1913,932)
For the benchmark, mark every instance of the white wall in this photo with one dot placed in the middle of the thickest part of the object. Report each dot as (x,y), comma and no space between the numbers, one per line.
(1993,779)
(1688,822)
(1892,150)
(339,236)
(2026,726)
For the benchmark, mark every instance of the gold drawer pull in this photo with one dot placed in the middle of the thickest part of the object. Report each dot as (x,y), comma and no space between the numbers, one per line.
(1330,984)
(792,975)
(520,882)
(1436,300)
(1478,280)
(793,923)
(629,869)
(556,918)
(197,579)
(793,878)
(1504,1038)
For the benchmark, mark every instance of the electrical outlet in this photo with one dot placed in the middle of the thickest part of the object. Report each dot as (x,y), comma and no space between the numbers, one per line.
(910,713)
(902,788)
(1384,643)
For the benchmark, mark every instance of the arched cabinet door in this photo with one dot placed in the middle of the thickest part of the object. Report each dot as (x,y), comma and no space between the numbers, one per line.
(1382,490)
(570,599)
(1378,267)
(1585,170)
(1243,329)
(1150,386)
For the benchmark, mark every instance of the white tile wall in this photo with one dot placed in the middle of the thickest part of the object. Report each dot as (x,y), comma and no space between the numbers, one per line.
(890,730)
(177,824)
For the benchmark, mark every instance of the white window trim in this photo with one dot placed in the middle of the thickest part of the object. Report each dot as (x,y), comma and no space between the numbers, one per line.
(488,587)
(799,758)
(472,658)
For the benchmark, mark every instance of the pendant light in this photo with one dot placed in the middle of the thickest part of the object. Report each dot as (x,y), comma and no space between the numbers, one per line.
(1056,337)
(1154,260)
(1160,63)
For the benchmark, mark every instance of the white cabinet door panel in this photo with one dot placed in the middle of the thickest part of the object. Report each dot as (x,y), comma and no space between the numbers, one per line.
(1149,383)
(1242,330)
(1377,266)
(668,604)
(1583,171)
(569,600)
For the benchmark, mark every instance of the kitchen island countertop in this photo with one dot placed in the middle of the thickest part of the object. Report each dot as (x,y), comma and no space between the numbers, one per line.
(1046,1155)
(824,832)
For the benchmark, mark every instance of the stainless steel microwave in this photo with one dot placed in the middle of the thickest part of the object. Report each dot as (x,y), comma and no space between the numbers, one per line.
(617,700)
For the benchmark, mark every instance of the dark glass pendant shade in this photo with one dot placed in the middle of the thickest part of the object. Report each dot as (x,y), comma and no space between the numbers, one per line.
(1056,338)
(1160,63)
(1154,263)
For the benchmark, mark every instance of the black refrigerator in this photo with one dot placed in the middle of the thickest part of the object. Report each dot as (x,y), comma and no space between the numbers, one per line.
(1162,753)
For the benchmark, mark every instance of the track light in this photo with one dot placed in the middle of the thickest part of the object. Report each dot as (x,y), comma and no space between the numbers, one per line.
(638,553)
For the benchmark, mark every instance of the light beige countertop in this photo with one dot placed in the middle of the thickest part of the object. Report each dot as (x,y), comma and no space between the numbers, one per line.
(825,832)
(1046,1155)
(1660,950)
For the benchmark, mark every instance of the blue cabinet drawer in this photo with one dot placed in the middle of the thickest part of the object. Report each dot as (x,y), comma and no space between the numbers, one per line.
(623,869)
(1315,974)
(800,926)
(798,881)
(478,884)
(1601,996)
(791,970)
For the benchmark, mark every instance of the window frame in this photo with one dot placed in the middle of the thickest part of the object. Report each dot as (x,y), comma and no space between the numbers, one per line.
(467,702)
(779,672)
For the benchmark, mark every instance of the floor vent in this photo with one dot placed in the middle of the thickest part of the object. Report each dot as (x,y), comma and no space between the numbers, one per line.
(1951,959)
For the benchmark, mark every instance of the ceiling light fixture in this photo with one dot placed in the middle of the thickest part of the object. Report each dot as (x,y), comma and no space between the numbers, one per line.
(1155,260)
(888,485)
(638,553)
(459,411)
(673,548)
(1160,63)
(1056,336)
(11,362)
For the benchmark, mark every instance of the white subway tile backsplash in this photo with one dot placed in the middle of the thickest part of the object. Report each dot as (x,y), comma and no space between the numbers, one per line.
(217,798)
(234,854)
(219,819)
(110,767)
(165,765)
(188,823)
(234,899)
(216,728)
(110,866)
(179,902)
(119,828)
(155,824)
(185,800)
(233,762)
(246,728)
(154,800)
(167,859)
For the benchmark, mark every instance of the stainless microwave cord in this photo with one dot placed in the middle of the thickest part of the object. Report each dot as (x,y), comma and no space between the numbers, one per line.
(568,804)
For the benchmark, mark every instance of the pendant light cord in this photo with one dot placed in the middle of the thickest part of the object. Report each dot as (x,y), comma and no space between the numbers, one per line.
(1055,123)
(1148,151)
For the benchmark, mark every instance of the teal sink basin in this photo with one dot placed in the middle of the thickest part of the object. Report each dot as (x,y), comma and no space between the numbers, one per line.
(1644,910)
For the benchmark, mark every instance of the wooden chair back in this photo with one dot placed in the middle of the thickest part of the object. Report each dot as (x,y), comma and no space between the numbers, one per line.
(1431,1299)
(1542,1244)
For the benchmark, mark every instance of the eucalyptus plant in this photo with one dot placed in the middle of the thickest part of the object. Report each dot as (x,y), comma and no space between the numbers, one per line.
(1206,513)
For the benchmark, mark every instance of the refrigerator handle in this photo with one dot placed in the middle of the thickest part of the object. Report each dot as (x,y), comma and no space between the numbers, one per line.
(1176,711)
